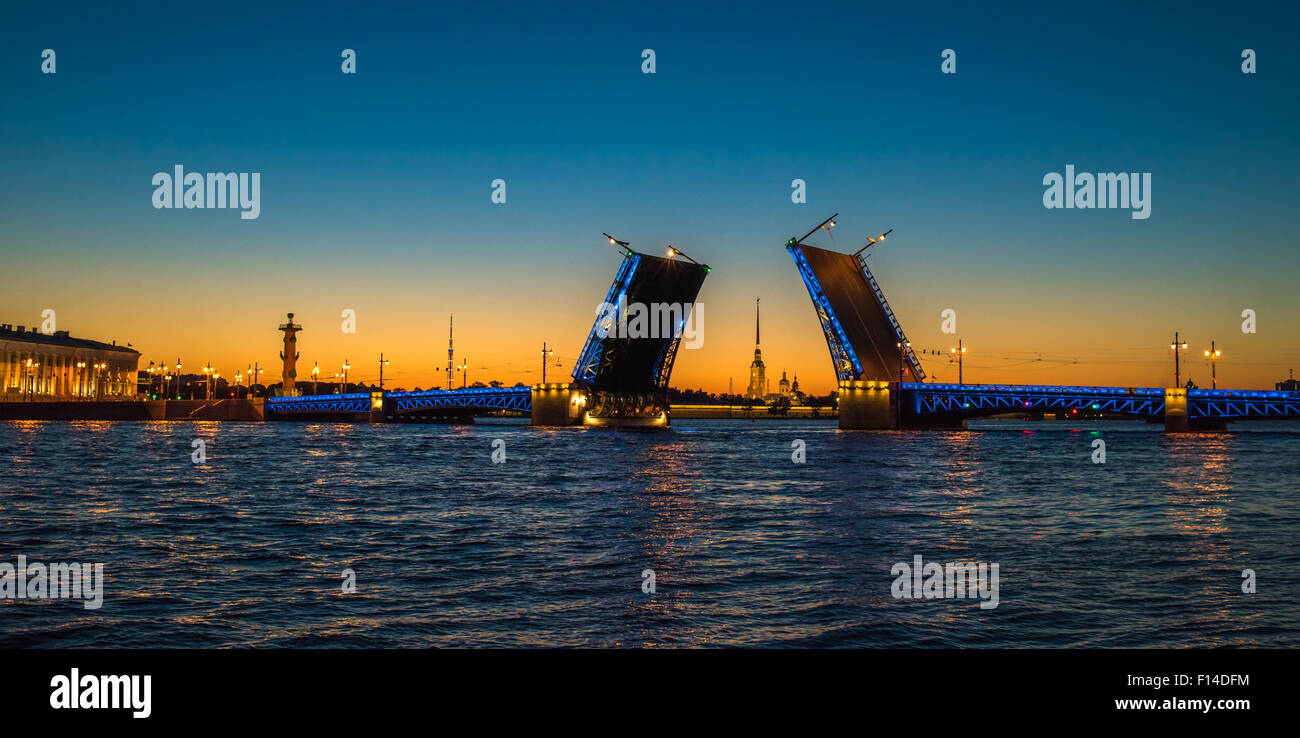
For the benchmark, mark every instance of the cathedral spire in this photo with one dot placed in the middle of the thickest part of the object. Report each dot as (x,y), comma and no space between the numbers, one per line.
(757,372)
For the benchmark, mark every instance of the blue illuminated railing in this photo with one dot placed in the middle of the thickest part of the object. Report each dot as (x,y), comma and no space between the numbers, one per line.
(847,365)
(353,402)
(479,398)
(984,399)
(977,399)
(589,360)
(485,398)
(1242,404)
(893,321)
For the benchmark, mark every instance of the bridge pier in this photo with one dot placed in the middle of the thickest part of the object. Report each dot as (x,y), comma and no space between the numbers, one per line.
(1179,420)
(565,404)
(873,404)
(558,403)
(867,405)
(1176,418)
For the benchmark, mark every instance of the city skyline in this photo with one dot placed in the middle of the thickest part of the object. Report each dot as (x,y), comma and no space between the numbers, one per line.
(376,187)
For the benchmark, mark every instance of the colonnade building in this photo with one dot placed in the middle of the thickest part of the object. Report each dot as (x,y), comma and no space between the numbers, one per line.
(56,366)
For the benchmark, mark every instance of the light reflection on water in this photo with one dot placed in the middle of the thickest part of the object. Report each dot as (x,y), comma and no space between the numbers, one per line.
(748,548)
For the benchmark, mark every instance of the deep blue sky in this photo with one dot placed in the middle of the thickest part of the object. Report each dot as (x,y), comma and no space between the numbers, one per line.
(375,187)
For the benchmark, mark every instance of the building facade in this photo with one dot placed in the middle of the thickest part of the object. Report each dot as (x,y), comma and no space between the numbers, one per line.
(56,366)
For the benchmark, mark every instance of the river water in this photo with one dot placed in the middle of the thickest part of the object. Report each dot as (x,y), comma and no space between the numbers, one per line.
(749,548)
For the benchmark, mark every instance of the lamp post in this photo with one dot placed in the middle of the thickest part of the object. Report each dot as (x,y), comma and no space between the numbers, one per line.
(178,378)
(674,251)
(1213,355)
(1177,346)
(871,241)
(29,383)
(902,345)
(960,351)
(315,376)
(545,353)
(81,378)
(346,367)
(239,376)
(464,368)
(902,348)
(207,381)
(99,381)
(382,364)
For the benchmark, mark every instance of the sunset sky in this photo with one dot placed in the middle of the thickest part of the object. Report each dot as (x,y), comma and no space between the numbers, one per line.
(375,187)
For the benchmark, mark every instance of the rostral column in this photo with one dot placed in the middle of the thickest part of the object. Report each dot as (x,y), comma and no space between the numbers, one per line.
(290,356)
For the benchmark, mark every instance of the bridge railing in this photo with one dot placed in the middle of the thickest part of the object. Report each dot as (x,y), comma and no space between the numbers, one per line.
(494,398)
(589,358)
(351,402)
(889,313)
(976,399)
(847,365)
(1058,389)
(1243,404)
(986,399)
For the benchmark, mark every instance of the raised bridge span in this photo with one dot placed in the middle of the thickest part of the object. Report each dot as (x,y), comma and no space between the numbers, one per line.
(881,383)
(620,378)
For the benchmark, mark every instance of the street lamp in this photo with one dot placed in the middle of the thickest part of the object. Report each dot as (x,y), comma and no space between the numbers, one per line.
(315,376)
(960,351)
(31,379)
(99,382)
(1213,355)
(464,368)
(346,367)
(901,346)
(873,240)
(827,224)
(545,353)
(254,370)
(1177,346)
(626,246)
(207,381)
(178,378)
(382,364)
(81,378)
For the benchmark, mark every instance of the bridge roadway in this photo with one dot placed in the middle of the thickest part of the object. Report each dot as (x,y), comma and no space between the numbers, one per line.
(921,402)
(976,400)
(400,406)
